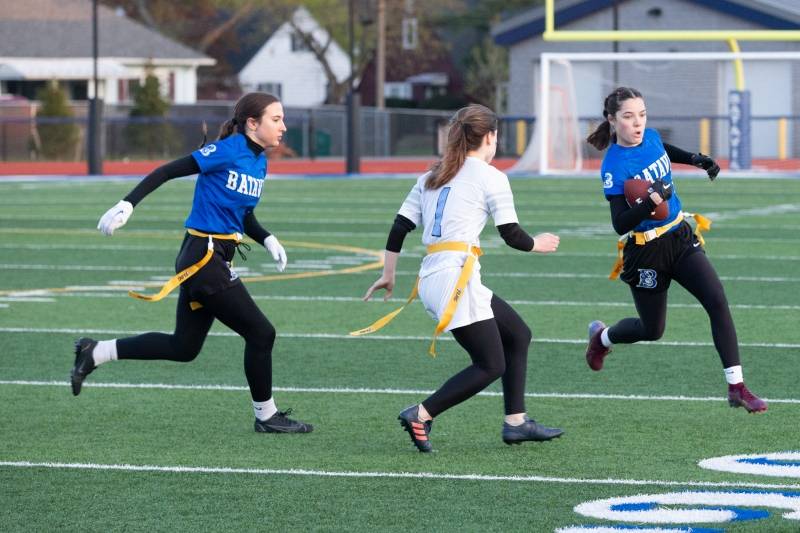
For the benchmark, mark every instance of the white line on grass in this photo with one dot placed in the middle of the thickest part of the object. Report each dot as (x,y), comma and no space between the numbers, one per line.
(495,243)
(338,336)
(367,390)
(356,299)
(394,475)
(573,275)
(546,275)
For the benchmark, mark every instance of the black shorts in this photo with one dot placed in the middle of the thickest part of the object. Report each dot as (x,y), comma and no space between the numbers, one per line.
(649,267)
(216,275)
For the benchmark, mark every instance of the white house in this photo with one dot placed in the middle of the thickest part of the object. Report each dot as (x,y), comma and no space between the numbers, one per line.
(42,40)
(285,67)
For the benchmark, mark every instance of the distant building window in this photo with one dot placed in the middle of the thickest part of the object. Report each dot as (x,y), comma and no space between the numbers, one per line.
(410,37)
(298,43)
(397,89)
(271,87)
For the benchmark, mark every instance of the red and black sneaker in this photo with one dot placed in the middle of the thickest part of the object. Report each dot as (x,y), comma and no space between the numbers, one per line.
(596,352)
(417,429)
(740,396)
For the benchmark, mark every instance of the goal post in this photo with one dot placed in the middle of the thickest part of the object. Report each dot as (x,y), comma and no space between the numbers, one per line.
(693,99)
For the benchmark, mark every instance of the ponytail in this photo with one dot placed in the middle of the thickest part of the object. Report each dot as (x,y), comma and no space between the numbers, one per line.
(251,105)
(453,159)
(601,136)
(227,129)
(468,127)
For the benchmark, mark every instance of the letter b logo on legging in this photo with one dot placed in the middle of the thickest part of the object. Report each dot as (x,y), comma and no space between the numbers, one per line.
(647,278)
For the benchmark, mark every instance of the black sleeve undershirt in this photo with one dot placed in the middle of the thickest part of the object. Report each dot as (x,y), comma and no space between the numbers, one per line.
(401,227)
(253,229)
(185,166)
(625,218)
(676,155)
(516,237)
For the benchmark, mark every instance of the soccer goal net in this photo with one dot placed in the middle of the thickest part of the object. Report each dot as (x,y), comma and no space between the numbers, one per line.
(746,114)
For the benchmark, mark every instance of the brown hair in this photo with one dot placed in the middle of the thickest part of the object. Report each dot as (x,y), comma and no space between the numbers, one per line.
(602,136)
(468,127)
(251,105)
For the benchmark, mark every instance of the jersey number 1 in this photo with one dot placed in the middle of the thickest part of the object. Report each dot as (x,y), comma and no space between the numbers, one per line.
(437,218)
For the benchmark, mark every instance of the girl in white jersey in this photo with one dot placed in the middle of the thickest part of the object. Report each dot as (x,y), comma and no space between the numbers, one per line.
(453,202)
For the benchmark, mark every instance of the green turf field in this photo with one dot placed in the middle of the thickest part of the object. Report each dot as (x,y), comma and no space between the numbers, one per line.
(164,446)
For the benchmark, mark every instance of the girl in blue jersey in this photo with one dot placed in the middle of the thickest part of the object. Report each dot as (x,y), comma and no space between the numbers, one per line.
(658,251)
(231,174)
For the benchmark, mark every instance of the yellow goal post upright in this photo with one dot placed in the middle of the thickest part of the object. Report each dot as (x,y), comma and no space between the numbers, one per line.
(731,37)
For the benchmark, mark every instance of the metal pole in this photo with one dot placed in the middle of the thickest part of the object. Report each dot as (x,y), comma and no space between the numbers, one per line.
(352,164)
(615,44)
(94,156)
(380,56)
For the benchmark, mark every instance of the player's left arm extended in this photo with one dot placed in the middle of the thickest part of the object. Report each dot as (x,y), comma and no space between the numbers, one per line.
(677,155)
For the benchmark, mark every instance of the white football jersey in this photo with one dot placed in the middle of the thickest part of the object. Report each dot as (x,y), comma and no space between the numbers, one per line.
(458,212)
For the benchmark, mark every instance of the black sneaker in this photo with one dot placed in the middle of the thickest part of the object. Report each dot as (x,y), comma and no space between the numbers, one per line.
(84,363)
(281,423)
(416,428)
(529,430)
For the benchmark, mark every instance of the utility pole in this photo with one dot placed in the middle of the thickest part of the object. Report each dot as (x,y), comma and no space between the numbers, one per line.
(615,44)
(94,156)
(380,56)
(353,161)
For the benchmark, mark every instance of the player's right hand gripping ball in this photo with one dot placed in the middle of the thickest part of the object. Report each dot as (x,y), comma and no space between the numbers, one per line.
(664,190)
(706,163)
(638,191)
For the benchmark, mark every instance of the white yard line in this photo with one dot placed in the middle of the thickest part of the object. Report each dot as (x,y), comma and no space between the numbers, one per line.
(368,390)
(340,336)
(392,475)
(355,299)
(546,275)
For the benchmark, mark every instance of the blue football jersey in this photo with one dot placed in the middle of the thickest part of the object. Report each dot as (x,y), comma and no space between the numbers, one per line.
(646,161)
(229,185)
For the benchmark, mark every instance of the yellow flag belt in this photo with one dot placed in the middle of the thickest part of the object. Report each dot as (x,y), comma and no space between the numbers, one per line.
(643,237)
(466,272)
(189,271)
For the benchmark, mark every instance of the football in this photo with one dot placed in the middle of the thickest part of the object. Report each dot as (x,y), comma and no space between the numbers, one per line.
(636,191)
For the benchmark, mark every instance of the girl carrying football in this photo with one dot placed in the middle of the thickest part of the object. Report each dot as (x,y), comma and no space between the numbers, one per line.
(658,251)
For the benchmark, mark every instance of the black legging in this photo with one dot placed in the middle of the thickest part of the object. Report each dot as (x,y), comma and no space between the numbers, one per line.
(696,274)
(233,307)
(498,347)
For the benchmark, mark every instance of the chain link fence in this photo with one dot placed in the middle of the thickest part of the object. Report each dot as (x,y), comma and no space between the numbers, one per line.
(322,132)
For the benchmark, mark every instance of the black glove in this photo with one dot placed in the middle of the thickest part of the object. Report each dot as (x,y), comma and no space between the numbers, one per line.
(706,163)
(663,189)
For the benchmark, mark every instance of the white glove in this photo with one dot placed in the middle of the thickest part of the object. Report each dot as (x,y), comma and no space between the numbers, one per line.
(116,217)
(278,253)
